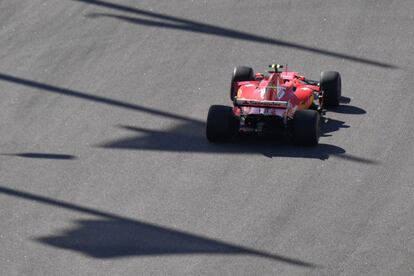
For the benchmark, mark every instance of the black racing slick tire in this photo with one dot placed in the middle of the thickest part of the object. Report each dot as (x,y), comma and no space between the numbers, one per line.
(220,124)
(331,87)
(306,127)
(240,73)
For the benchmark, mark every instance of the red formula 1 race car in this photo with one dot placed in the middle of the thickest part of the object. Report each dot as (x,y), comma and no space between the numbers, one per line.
(275,102)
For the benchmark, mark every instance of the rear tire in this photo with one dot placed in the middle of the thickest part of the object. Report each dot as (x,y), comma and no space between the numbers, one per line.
(331,87)
(306,127)
(220,123)
(240,73)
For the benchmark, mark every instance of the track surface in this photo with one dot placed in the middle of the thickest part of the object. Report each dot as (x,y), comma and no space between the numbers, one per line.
(105,169)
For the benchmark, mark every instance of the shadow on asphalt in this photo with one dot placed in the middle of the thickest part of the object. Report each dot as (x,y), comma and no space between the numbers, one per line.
(36,155)
(94,98)
(114,236)
(348,109)
(344,100)
(178,23)
(330,125)
(190,137)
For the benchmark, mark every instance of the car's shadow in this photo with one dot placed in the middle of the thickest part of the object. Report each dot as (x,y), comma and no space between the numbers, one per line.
(190,137)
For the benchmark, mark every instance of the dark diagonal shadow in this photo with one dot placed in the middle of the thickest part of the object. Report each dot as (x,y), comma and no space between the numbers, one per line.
(120,238)
(116,236)
(94,98)
(36,155)
(174,22)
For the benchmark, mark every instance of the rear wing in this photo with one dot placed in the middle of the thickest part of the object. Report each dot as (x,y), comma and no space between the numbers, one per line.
(256,103)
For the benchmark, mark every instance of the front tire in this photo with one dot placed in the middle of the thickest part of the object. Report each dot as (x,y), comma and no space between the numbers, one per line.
(306,127)
(331,87)
(240,73)
(220,123)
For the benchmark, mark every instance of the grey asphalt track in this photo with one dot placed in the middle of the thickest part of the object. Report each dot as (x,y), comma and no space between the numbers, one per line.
(105,169)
